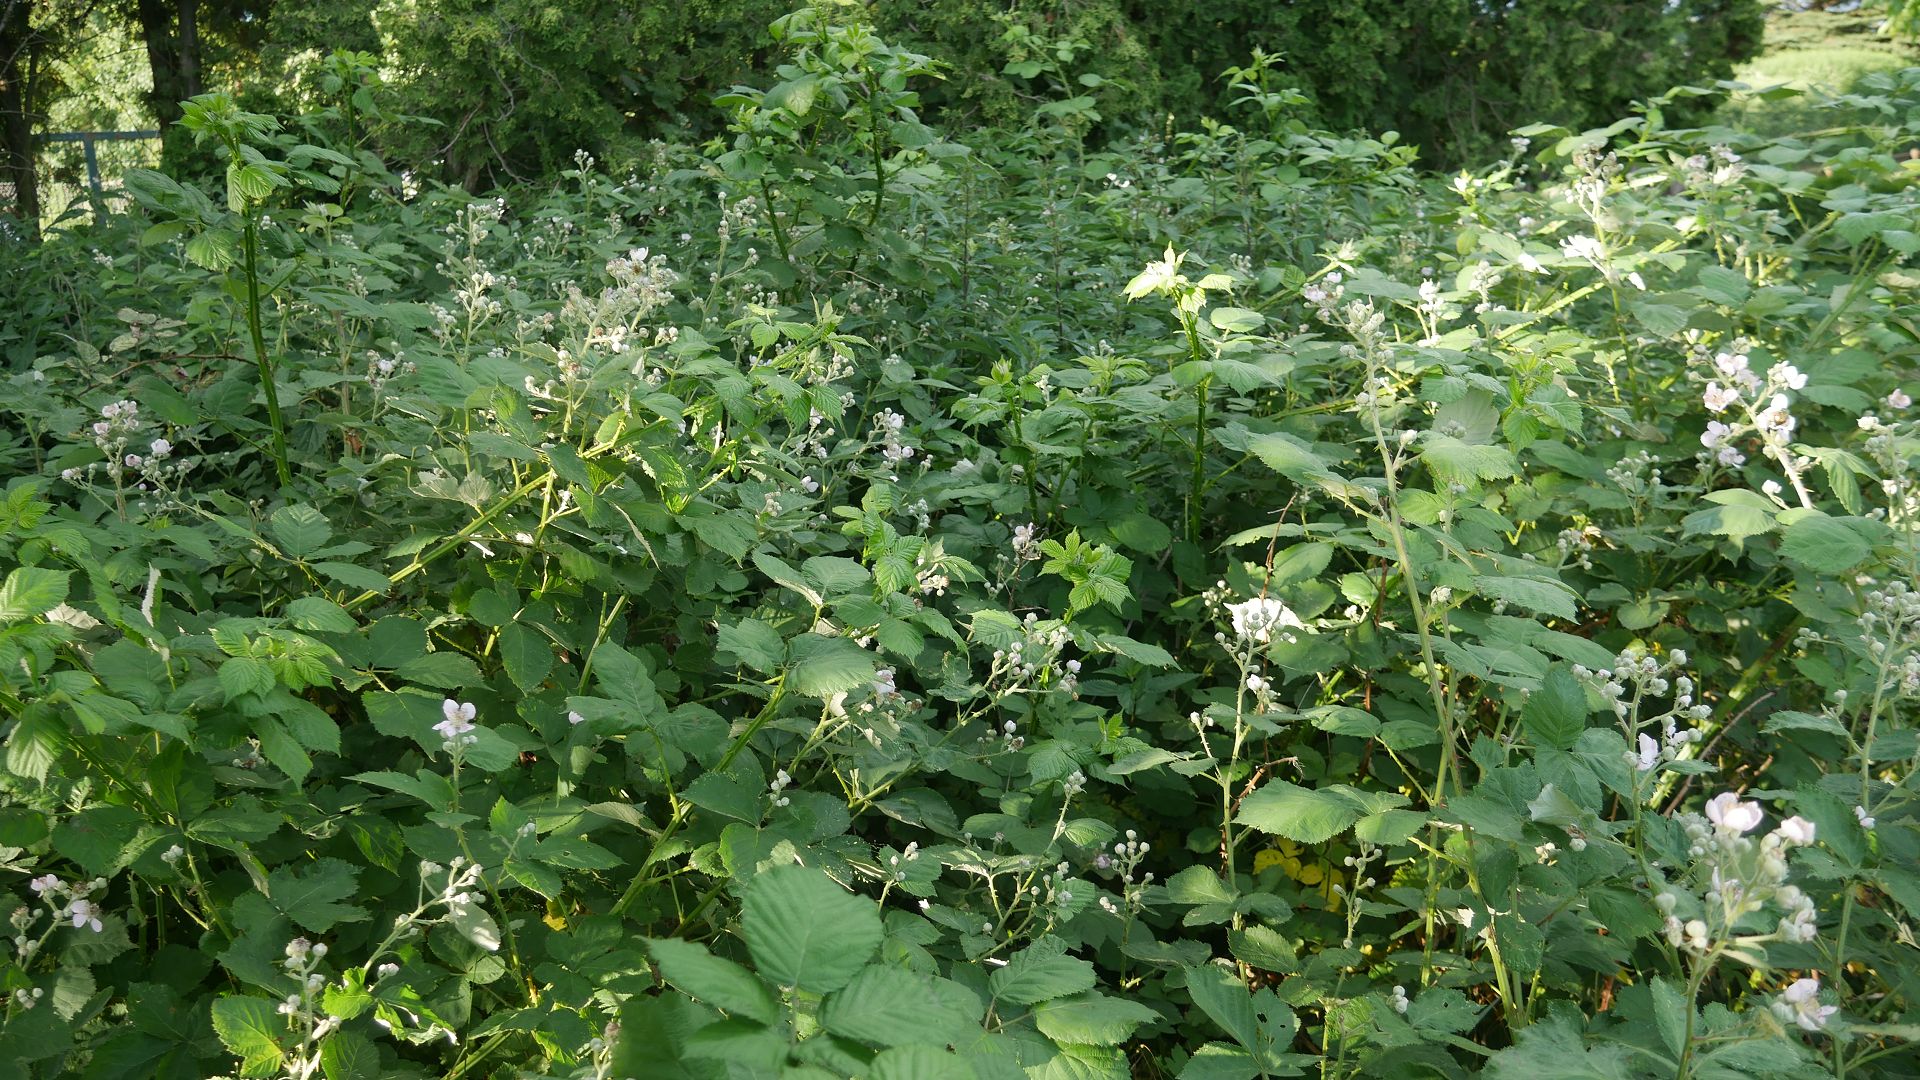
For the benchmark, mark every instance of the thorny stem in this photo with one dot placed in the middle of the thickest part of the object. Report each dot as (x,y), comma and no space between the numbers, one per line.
(274,419)
(682,808)
(1199,433)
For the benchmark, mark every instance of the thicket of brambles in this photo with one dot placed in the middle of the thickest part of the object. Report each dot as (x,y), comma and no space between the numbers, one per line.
(841,602)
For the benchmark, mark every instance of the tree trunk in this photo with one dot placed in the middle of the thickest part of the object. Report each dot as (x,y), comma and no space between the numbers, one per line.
(190,48)
(164,57)
(16,113)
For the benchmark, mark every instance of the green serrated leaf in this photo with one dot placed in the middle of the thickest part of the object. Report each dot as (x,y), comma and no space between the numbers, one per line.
(1556,714)
(805,931)
(720,983)
(821,666)
(1041,972)
(526,654)
(1823,544)
(1091,1019)
(1300,814)
(30,591)
(301,530)
(251,1029)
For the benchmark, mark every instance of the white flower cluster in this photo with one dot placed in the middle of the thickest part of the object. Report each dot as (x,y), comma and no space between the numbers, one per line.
(1325,295)
(1732,878)
(67,902)
(1720,167)
(473,282)
(1587,248)
(131,458)
(642,284)
(1799,1005)
(1763,407)
(929,574)
(457,726)
(777,789)
(813,441)
(1026,542)
(382,369)
(1257,620)
(889,430)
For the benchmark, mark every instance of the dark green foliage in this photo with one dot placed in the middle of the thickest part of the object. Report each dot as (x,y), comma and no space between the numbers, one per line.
(517,86)
(1454,76)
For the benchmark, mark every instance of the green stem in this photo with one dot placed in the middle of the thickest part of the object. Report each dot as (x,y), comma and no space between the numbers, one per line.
(773,219)
(1198,487)
(274,420)
(679,817)
(421,562)
(879,161)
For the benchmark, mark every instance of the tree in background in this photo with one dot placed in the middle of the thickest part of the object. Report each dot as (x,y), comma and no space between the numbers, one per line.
(35,35)
(514,87)
(172,34)
(1453,76)
(23,45)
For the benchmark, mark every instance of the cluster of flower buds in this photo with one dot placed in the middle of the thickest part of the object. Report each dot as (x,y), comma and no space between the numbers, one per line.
(1123,862)
(1029,662)
(889,430)
(1358,863)
(1638,680)
(1055,888)
(460,891)
(1576,546)
(1596,170)
(897,864)
(1733,877)
(1636,475)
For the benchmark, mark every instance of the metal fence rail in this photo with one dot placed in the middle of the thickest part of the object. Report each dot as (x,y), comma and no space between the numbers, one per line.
(87,139)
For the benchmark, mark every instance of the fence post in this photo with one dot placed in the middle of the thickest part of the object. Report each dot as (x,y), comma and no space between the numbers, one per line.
(93,165)
(88,150)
